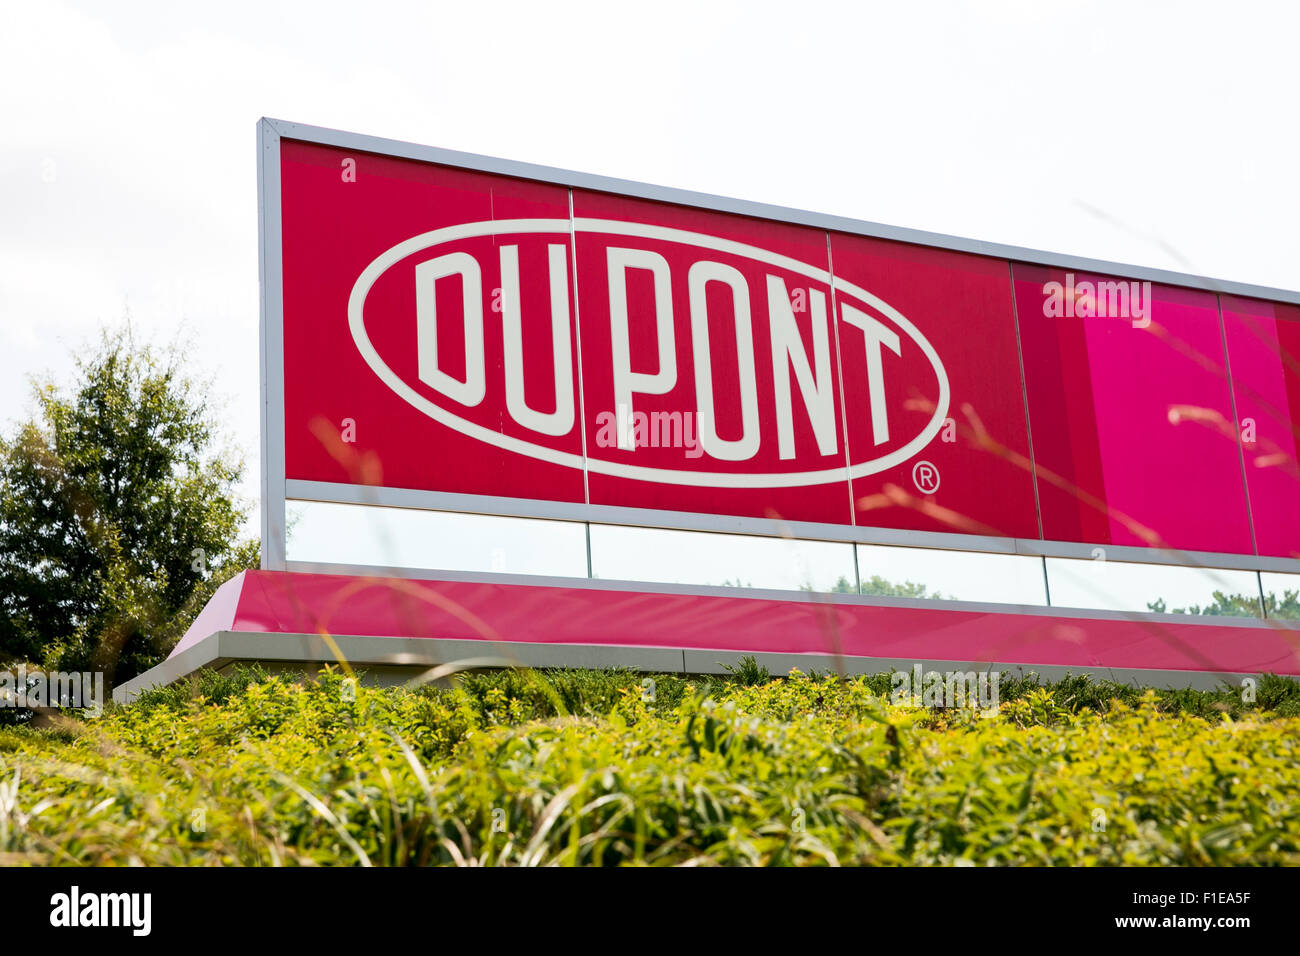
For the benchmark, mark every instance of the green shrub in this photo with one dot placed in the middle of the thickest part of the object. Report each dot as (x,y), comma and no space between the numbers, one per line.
(605,767)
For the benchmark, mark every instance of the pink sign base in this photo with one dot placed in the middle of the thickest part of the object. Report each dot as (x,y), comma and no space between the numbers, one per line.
(488,609)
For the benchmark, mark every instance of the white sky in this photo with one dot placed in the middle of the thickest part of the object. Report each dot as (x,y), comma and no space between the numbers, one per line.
(1164,134)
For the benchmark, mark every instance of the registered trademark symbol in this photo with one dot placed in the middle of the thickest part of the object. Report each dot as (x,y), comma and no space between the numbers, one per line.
(926,477)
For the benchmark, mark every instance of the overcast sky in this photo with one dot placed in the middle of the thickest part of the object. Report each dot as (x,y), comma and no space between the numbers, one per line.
(1163,134)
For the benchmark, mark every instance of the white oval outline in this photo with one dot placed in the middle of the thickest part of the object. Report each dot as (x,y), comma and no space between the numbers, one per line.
(380,265)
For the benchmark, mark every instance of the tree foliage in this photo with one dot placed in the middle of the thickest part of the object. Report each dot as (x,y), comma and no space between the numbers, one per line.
(117,514)
(883,587)
(1239,605)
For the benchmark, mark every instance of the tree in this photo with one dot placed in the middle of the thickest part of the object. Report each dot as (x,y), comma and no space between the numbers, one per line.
(1239,605)
(117,515)
(1287,606)
(881,586)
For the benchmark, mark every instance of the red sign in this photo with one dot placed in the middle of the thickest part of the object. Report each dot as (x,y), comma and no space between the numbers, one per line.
(447,330)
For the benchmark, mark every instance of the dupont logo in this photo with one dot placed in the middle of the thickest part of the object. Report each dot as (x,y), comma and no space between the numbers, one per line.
(660,354)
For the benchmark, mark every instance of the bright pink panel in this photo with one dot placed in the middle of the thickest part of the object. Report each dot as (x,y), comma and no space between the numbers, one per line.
(218,614)
(279,602)
(962,305)
(339,218)
(1130,414)
(435,320)
(734,259)
(1264,351)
